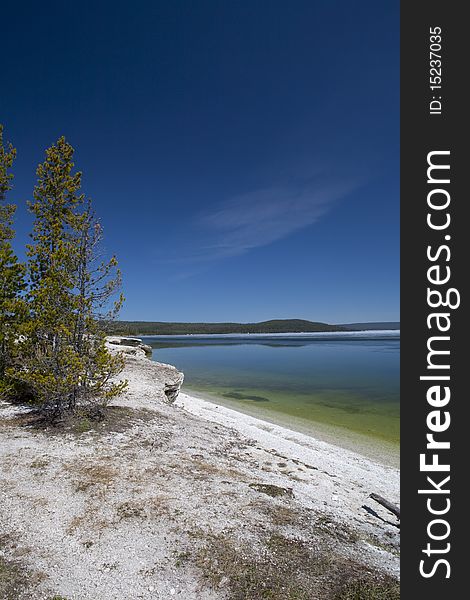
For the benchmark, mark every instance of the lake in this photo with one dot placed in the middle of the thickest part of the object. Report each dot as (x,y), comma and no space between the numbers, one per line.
(339,385)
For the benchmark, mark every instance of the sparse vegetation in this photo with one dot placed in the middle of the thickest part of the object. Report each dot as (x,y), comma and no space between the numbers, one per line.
(118,419)
(374,588)
(91,474)
(83,426)
(12,580)
(39,463)
(286,569)
(16,581)
(142,508)
(271,490)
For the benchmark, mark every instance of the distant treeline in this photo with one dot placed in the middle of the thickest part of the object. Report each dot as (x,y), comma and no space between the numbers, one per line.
(371,326)
(274,326)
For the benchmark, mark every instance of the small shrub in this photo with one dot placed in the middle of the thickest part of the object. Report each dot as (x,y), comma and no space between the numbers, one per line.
(83,426)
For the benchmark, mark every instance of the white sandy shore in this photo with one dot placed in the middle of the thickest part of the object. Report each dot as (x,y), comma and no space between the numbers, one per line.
(355,474)
(379,451)
(103,515)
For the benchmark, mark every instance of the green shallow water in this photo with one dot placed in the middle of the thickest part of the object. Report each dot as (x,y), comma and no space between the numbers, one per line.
(343,386)
(336,408)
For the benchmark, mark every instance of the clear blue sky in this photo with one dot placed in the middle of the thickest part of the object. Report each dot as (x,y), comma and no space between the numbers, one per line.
(243,156)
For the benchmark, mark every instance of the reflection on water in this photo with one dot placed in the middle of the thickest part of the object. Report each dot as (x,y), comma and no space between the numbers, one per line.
(273,340)
(344,380)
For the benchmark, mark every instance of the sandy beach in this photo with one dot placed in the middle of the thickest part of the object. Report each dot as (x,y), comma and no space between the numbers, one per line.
(175,499)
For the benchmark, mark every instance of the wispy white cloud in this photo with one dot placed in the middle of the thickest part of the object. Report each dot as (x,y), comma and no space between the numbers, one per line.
(261,217)
(264,216)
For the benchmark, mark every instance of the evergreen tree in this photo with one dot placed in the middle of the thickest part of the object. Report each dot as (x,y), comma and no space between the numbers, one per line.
(97,281)
(11,271)
(62,358)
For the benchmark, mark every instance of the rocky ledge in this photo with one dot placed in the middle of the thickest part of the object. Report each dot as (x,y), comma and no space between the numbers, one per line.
(168,380)
(129,345)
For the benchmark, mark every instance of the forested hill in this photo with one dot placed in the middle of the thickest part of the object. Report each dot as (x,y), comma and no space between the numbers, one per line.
(273,326)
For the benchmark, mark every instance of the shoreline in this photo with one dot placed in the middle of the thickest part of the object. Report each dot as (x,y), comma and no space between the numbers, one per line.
(164,491)
(375,449)
(355,475)
(371,437)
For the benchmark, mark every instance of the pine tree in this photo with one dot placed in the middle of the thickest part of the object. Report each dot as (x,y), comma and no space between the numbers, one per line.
(11,271)
(62,359)
(97,281)
(46,366)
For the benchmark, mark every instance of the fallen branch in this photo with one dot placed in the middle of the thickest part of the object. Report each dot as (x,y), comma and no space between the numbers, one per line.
(386,504)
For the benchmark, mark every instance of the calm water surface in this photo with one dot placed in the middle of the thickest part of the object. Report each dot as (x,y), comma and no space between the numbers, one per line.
(342,381)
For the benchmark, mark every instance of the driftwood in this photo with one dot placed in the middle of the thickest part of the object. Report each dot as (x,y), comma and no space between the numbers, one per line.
(386,504)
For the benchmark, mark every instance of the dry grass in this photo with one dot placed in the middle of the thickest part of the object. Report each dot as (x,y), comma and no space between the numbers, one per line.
(91,474)
(372,588)
(282,516)
(15,580)
(12,580)
(285,568)
(271,490)
(108,420)
(39,463)
(203,469)
(147,508)
(269,573)
(337,531)
(86,522)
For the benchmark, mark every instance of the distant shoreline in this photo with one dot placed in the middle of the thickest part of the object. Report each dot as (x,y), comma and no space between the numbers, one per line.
(273,326)
(360,334)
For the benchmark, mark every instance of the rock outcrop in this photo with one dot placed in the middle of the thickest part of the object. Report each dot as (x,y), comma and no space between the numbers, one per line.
(128,345)
(167,378)
(173,389)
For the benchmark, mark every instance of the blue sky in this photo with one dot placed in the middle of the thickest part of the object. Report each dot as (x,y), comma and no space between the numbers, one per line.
(243,156)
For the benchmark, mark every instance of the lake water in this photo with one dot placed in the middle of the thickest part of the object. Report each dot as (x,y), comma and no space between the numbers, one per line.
(330,383)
